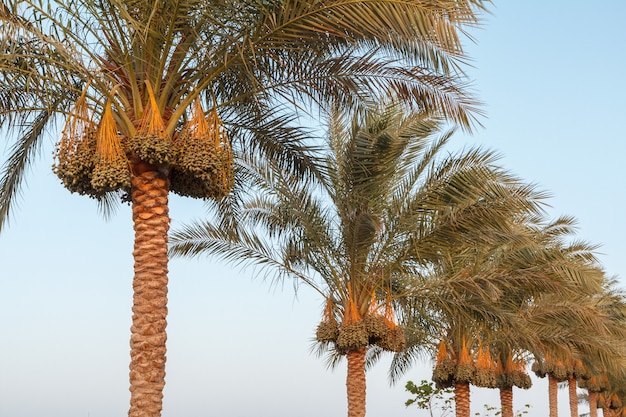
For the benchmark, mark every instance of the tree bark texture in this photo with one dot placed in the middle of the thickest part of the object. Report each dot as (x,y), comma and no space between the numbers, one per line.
(506,401)
(355,383)
(593,403)
(573,396)
(462,399)
(151,223)
(552,396)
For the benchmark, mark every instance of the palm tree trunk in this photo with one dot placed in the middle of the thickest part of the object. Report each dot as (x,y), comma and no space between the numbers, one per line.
(506,401)
(462,399)
(151,222)
(593,403)
(606,411)
(355,383)
(552,396)
(573,396)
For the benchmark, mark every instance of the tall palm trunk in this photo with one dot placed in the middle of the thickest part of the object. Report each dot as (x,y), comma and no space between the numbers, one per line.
(552,396)
(506,401)
(462,399)
(151,222)
(355,383)
(593,403)
(573,396)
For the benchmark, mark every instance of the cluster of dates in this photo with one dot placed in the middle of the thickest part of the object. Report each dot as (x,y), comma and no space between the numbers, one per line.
(83,171)
(199,165)
(371,330)
(481,371)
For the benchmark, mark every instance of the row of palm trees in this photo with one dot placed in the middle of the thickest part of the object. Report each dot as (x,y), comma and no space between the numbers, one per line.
(424,253)
(202,98)
(157,97)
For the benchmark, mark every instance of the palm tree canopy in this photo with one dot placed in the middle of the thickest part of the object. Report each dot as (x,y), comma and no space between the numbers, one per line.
(382,208)
(536,294)
(141,67)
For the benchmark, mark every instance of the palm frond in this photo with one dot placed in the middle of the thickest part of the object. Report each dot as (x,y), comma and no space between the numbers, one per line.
(23,153)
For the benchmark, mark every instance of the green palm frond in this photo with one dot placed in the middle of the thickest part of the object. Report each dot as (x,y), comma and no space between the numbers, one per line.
(21,155)
(268,133)
(242,58)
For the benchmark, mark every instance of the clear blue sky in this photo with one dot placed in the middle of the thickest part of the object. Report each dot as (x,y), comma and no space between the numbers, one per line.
(551,75)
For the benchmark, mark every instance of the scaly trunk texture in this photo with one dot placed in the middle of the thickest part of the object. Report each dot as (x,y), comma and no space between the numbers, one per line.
(593,403)
(355,383)
(552,396)
(462,399)
(606,411)
(573,396)
(151,222)
(506,401)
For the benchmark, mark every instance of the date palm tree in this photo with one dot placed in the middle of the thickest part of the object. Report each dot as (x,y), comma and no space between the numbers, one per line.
(575,268)
(611,303)
(574,332)
(543,292)
(580,336)
(594,392)
(511,372)
(155,97)
(467,308)
(357,226)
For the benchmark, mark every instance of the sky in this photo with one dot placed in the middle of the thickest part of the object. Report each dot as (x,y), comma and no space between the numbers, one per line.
(551,77)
